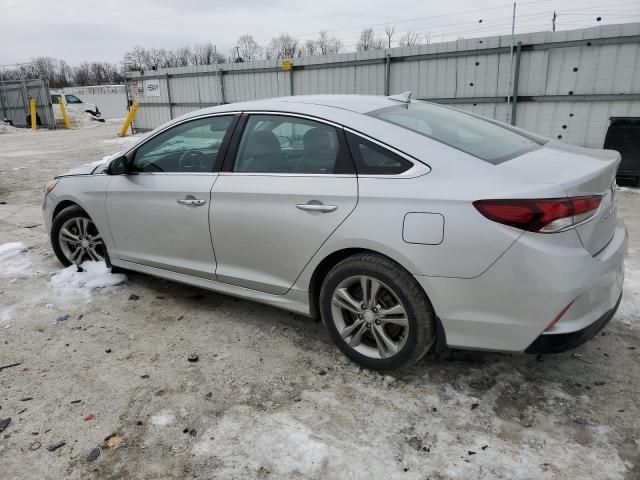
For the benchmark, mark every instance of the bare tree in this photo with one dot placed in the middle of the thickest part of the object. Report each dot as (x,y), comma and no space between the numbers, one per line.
(181,57)
(154,58)
(366,40)
(284,46)
(206,54)
(133,60)
(248,49)
(427,38)
(328,45)
(369,42)
(410,39)
(82,74)
(63,77)
(310,48)
(41,67)
(389,30)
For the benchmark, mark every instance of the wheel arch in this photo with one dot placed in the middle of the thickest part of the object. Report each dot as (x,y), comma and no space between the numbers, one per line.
(326,264)
(65,204)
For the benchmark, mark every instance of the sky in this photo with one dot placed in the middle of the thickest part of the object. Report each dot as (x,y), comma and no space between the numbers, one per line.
(78,30)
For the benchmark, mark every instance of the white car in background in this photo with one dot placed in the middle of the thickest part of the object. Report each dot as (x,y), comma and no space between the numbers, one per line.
(75,105)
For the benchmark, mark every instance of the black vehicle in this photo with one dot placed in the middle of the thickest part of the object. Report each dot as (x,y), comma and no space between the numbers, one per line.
(624,136)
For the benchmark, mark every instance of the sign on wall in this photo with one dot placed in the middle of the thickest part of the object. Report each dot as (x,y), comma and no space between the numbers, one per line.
(152,88)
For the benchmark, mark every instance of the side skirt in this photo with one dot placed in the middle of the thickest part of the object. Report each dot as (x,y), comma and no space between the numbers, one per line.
(294,300)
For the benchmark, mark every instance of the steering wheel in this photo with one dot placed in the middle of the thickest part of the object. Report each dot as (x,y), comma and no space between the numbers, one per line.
(190,159)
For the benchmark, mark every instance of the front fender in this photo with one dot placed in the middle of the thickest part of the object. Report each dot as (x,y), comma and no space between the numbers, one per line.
(86,191)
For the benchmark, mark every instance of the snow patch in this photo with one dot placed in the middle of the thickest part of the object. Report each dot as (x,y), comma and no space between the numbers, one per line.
(11,262)
(163,418)
(11,248)
(629,310)
(5,314)
(6,128)
(93,275)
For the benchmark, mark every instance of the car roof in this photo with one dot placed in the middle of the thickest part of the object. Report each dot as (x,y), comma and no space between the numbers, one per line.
(354,103)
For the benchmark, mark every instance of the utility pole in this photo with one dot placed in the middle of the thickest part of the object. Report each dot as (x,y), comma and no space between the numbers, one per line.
(553,22)
(513,40)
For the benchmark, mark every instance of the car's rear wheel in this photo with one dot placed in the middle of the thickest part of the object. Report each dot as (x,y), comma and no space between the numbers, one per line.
(75,238)
(377,313)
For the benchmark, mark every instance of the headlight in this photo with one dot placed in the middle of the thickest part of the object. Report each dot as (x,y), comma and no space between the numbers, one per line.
(51,185)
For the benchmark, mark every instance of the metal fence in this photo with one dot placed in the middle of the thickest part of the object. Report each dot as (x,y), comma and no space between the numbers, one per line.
(15,96)
(565,85)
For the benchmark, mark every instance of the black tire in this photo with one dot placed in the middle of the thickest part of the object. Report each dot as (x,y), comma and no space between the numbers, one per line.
(68,213)
(419,311)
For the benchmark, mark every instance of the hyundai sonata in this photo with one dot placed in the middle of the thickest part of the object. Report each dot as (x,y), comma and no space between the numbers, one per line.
(400,223)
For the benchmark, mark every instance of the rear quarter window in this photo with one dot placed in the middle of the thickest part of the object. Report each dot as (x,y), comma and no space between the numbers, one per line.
(481,138)
(373,159)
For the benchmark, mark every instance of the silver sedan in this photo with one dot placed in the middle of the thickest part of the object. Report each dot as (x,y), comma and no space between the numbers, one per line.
(401,224)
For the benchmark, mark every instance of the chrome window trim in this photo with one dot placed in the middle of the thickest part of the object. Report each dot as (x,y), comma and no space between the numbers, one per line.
(291,114)
(213,174)
(266,174)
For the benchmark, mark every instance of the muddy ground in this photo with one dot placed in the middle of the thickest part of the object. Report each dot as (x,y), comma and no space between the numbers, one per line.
(270,397)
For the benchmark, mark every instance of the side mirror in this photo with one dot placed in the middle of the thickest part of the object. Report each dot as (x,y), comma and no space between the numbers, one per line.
(117,166)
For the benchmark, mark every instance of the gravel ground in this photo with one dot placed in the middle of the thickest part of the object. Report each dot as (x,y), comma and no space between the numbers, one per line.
(270,397)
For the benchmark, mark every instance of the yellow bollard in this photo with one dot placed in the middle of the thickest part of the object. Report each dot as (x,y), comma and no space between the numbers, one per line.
(33,114)
(63,109)
(129,119)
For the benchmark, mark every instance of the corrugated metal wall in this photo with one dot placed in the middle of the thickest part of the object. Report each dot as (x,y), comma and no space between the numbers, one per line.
(15,98)
(569,83)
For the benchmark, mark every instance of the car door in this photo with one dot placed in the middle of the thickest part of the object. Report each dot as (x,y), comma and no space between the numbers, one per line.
(159,212)
(287,184)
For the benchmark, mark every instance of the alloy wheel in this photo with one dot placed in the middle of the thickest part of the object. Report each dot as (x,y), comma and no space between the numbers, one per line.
(369,316)
(80,240)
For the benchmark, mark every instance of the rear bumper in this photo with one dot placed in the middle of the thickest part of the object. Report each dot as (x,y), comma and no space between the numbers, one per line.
(510,305)
(561,342)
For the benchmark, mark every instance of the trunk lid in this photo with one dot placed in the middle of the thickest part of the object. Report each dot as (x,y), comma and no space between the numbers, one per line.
(581,172)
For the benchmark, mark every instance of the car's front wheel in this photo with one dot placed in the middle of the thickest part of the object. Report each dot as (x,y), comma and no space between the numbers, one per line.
(75,238)
(377,313)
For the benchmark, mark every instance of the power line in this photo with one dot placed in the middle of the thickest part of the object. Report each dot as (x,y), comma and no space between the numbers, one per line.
(395,22)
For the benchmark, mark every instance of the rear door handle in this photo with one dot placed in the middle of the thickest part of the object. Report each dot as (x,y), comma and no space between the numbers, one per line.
(316,207)
(192,202)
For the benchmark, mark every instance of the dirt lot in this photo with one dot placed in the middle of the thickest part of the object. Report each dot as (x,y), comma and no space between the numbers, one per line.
(270,397)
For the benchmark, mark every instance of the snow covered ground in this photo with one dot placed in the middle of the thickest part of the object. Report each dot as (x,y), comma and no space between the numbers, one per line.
(269,397)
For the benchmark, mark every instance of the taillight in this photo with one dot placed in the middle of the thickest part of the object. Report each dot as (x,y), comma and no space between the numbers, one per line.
(545,215)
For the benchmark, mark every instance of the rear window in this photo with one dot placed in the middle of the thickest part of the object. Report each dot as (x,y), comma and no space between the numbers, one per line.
(481,138)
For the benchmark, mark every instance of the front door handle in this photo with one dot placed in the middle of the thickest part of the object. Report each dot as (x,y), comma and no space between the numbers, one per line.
(192,202)
(316,207)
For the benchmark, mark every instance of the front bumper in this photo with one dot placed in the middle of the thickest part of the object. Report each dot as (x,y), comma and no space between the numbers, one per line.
(561,342)
(47,213)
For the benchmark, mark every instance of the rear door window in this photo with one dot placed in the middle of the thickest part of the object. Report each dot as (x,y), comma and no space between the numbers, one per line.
(283,144)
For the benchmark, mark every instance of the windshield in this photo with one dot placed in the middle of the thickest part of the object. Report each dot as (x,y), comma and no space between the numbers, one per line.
(473,135)
(73,99)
